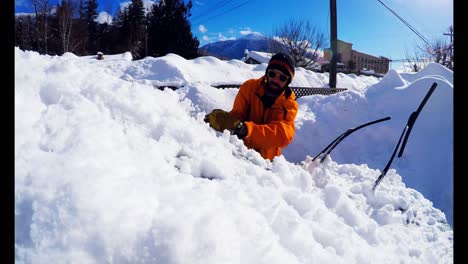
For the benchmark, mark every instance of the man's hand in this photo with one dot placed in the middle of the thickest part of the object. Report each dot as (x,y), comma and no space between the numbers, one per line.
(220,120)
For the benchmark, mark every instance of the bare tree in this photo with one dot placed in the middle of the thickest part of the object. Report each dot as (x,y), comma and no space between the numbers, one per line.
(42,10)
(137,22)
(439,51)
(65,15)
(417,60)
(300,40)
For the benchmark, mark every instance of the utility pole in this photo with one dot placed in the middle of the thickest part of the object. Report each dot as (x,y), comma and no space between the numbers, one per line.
(451,41)
(450,34)
(333,43)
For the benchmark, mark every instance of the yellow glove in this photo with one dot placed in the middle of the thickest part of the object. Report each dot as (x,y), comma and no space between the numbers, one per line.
(220,120)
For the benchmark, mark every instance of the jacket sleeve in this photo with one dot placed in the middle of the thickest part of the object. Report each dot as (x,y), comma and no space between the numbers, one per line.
(277,133)
(241,104)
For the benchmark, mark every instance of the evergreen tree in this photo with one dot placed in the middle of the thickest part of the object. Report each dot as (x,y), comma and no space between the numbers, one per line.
(79,37)
(169,30)
(120,31)
(105,38)
(82,11)
(54,46)
(91,11)
(20,38)
(90,17)
(26,33)
(31,34)
(136,26)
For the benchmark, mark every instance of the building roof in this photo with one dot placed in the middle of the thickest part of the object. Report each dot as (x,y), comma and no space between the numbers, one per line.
(261,57)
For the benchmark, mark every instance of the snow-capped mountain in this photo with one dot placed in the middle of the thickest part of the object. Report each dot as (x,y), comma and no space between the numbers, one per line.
(234,49)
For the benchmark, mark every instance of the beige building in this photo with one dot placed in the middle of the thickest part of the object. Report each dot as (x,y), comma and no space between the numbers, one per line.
(355,61)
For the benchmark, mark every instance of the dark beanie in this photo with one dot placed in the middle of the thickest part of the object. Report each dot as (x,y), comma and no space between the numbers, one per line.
(283,63)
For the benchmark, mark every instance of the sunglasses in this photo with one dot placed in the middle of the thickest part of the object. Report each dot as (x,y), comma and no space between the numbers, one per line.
(273,74)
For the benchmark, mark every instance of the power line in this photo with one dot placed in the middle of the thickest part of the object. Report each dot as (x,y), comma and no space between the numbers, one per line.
(229,10)
(400,60)
(211,9)
(407,24)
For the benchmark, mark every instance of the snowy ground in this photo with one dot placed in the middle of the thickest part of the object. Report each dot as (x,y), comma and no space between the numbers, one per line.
(110,170)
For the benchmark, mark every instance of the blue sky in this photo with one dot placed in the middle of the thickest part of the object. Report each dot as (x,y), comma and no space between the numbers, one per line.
(367,24)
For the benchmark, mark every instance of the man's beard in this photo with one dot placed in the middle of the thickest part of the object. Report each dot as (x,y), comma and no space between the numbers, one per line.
(273,88)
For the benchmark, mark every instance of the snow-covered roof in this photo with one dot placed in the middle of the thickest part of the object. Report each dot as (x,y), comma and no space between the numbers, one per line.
(261,57)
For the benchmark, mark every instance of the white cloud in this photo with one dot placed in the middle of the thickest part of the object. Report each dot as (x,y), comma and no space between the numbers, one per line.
(202,29)
(147,4)
(104,17)
(246,31)
(222,37)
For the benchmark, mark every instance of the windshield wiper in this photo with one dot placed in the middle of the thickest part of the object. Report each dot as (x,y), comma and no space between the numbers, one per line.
(326,151)
(407,129)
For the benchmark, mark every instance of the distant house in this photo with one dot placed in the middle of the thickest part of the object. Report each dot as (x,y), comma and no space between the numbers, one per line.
(355,61)
(257,57)
(325,67)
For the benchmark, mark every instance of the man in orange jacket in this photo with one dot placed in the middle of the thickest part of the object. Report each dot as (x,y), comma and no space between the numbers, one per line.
(264,110)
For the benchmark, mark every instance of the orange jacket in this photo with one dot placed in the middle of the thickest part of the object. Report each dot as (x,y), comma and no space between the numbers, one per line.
(269,129)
